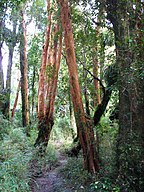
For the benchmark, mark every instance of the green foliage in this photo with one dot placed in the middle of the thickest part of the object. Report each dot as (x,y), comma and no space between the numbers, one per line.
(75,176)
(62,130)
(15,154)
(131,166)
(4,127)
(104,184)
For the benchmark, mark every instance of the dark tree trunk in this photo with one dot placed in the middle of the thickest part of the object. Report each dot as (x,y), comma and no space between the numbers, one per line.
(131,95)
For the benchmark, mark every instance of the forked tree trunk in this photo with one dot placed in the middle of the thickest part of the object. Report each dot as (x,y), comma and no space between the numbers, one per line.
(46,120)
(24,80)
(85,129)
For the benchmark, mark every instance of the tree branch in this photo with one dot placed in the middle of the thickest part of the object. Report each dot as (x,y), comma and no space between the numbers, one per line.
(101,84)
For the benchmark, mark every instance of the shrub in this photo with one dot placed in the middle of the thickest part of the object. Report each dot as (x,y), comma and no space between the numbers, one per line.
(15,154)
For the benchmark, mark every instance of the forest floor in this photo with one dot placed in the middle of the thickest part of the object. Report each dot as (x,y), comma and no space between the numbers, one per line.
(49,179)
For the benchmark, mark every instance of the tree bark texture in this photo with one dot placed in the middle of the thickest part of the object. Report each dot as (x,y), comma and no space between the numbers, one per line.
(128,24)
(48,83)
(41,85)
(84,127)
(23,69)
(46,125)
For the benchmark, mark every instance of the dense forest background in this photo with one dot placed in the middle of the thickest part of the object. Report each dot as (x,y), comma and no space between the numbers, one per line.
(72,88)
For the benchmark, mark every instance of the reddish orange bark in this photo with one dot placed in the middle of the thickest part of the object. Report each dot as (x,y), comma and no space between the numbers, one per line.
(53,83)
(23,69)
(49,84)
(84,126)
(41,86)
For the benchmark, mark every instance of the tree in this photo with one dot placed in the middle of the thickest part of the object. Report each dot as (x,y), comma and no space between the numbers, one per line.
(8,11)
(2,24)
(85,129)
(48,78)
(11,40)
(23,69)
(127,18)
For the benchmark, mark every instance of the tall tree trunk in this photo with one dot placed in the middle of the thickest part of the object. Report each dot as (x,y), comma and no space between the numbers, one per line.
(87,106)
(2,25)
(1,70)
(24,80)
(131,95)
(98,61)
(1,82)
(41,85)
(46,119)
(85,129)
(11,47)
(33,90)
(97,98)
(8,82)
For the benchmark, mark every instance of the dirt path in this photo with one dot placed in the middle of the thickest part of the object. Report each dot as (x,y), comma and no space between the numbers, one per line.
(51,180)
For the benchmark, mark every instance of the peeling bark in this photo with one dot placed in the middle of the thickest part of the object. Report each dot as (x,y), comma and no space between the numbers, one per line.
(49,76)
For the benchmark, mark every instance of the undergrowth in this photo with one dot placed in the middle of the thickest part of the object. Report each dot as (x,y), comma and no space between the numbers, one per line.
(16,155)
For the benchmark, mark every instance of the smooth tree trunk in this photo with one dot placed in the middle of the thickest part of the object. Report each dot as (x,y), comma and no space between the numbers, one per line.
(33,90)
(1,83)
(98,61)
(72,119)
(23,69)
(1,70)
(41,84)
(87,104)
(2,25)
(84,126)
(96,94)
(11,45)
